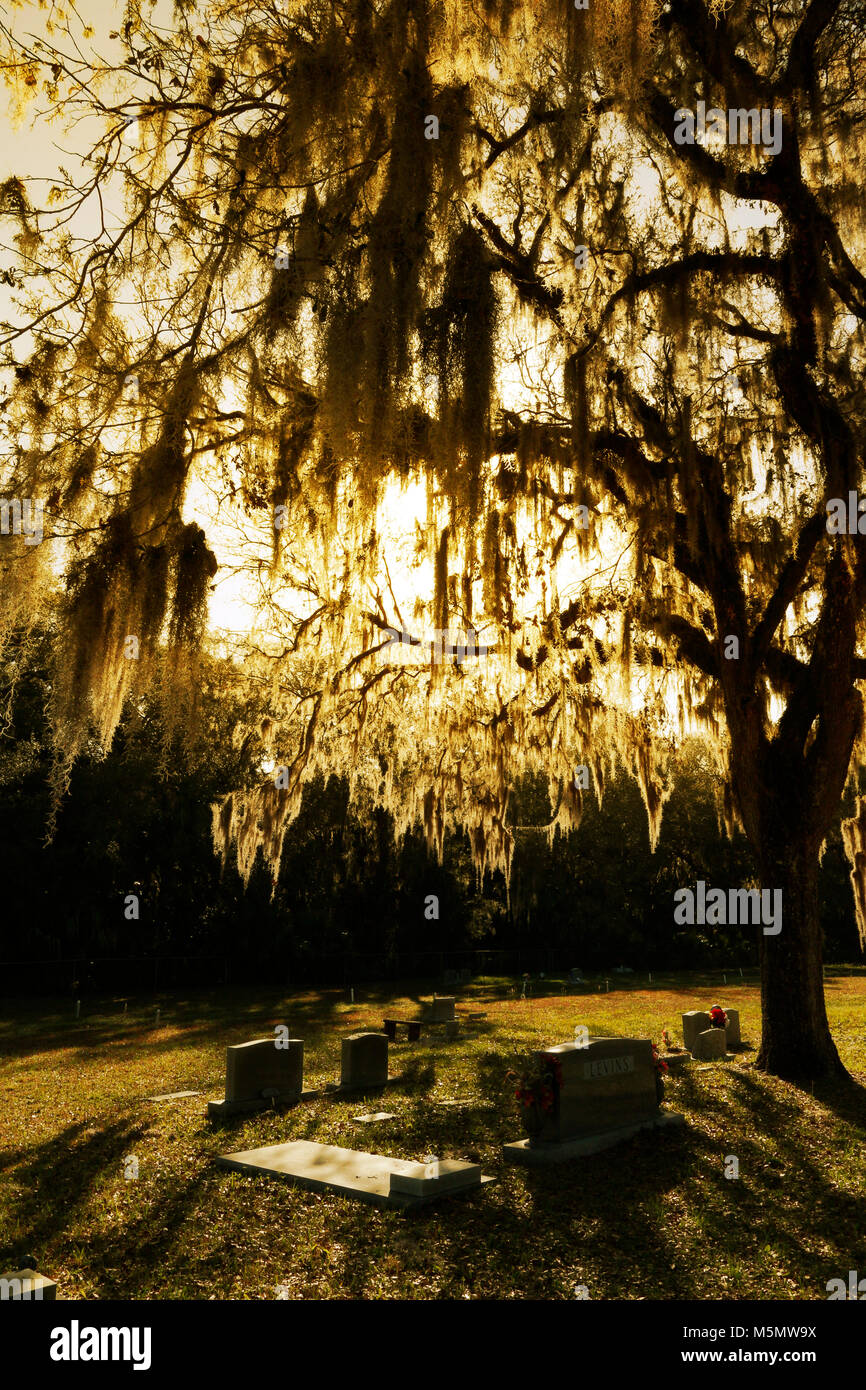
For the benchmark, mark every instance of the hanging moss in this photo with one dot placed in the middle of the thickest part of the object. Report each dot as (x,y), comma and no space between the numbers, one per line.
(194,567)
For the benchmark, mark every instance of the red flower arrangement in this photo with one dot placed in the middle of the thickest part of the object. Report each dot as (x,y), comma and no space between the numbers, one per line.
(536,1085)
(718,1017)
(661,1067)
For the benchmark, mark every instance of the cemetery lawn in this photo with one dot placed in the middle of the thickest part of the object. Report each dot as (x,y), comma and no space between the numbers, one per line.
(655,1218)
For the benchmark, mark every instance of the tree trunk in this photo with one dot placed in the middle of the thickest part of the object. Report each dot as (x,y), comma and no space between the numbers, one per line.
(795,1042)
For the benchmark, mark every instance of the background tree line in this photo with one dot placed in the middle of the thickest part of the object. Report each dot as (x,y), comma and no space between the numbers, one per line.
(138,822)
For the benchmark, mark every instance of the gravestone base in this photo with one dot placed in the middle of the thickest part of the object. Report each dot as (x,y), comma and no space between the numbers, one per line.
(437,1030)
(338,1090)
(676,1060)
(532,1154)
(223,1109)
(382,1182)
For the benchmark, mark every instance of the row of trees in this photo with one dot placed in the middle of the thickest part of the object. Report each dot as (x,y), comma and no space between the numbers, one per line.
(137,823)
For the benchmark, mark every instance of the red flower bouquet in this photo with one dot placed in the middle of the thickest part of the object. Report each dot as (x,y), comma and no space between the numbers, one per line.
(661,1067)
(536,1090)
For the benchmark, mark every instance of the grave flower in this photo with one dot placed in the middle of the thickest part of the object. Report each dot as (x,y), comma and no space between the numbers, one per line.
(718,1017)
(536,1090)
(661,1067)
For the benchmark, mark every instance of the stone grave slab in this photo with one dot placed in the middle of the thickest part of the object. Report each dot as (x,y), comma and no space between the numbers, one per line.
(23,1285)
(364,1176)
(260,1072)
(375,1118)
(711,1044)
(694,1022)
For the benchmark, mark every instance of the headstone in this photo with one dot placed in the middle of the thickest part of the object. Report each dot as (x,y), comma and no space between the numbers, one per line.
(258,1066)
(439,1177)
(732,1029)
(364,1061)
(606,1091)
(607,1083)
(26,1284)
(260,1071)
(710,1044)
(694,1022)
(441,1010)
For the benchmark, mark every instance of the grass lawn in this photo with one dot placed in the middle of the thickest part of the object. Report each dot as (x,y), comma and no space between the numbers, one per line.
(654,1218)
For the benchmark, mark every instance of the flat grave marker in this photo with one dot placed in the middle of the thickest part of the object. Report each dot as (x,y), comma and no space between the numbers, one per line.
(175,1095)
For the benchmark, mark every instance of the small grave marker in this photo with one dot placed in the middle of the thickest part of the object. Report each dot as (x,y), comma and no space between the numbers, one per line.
(441,1010)
(364,1062)
(695,1022)
(710,1044)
